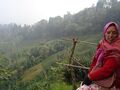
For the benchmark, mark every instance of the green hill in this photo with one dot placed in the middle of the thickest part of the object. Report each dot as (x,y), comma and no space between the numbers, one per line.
(28,54)
(32,72)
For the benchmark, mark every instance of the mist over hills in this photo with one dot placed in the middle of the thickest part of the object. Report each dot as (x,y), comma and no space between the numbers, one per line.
(89,21)
(28,54)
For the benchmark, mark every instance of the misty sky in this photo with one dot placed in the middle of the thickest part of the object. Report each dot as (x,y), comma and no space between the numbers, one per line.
(32,11)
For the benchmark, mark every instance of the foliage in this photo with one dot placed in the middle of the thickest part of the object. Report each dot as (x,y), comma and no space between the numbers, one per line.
(90,19)
(23,49)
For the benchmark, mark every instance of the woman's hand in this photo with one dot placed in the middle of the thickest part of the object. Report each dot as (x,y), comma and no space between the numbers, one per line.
(87,81)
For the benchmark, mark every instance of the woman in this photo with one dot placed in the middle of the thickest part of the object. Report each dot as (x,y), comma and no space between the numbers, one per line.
(107,57)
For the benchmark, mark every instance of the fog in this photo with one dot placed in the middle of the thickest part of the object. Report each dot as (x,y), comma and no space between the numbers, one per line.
(32,11)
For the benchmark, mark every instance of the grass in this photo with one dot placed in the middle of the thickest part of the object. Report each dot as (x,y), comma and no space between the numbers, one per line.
(32,72)
(82,52)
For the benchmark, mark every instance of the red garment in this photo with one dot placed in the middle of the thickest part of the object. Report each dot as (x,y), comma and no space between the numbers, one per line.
(108,57)
(110,65)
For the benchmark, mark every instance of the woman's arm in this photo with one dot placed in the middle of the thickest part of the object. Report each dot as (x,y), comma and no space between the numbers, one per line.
(108,68)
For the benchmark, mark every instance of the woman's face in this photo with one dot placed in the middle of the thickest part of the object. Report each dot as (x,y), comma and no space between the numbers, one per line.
(111,34)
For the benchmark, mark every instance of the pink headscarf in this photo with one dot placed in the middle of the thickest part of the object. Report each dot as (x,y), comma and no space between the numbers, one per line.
(114,45)
(108,24)
(107,49)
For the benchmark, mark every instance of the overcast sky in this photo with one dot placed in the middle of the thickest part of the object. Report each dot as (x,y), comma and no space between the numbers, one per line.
(32,11)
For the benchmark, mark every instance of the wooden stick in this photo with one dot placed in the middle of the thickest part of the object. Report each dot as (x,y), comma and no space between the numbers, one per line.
(88,42)
(79,41)
(70,65)
(74,59)
(71,62)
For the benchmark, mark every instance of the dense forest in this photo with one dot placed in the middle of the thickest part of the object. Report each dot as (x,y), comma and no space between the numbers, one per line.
(28,53)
